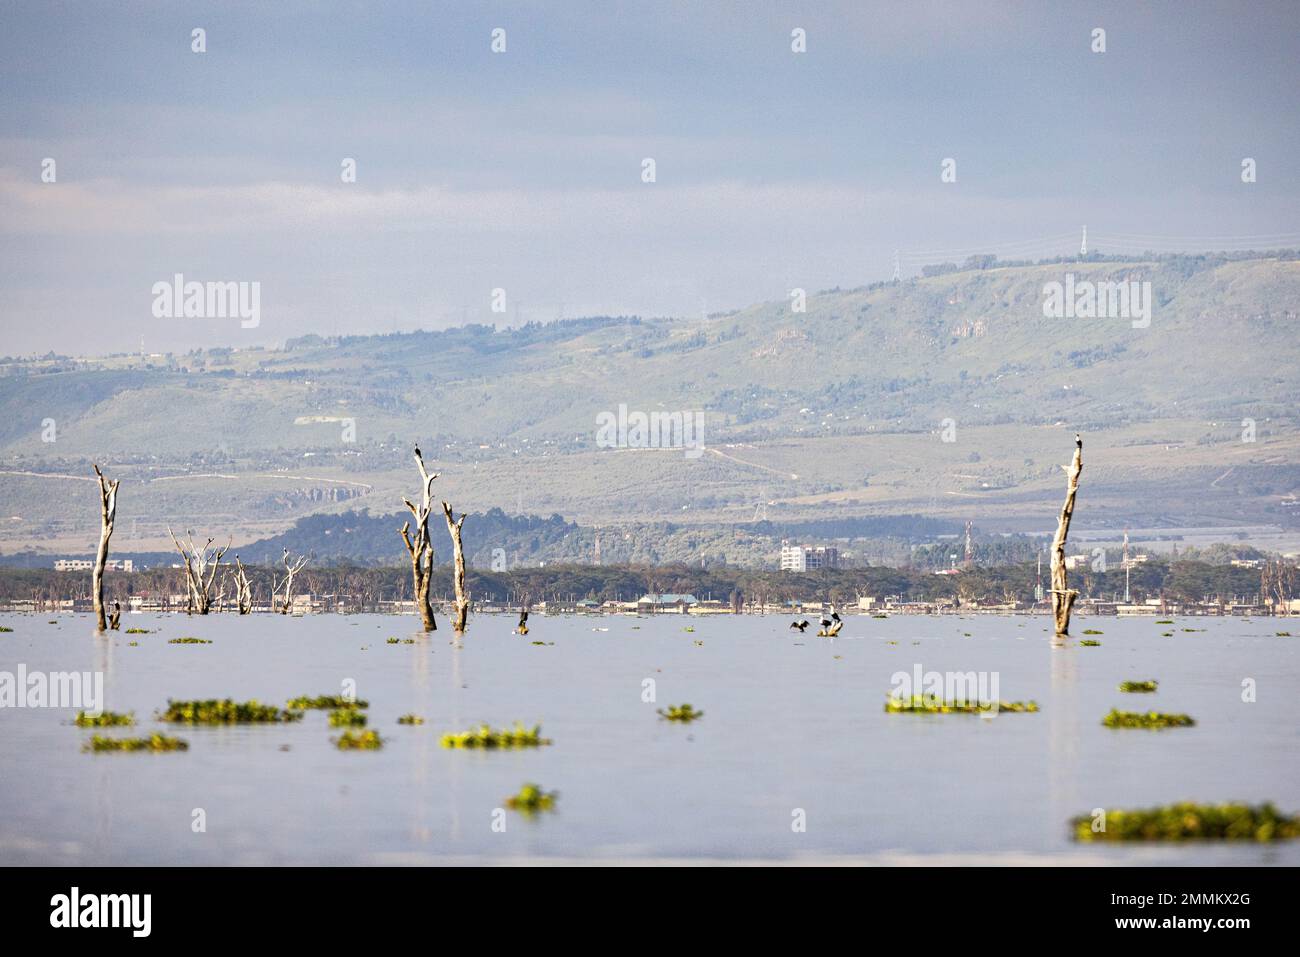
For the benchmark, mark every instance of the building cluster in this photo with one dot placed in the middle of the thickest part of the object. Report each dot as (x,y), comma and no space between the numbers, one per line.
(86,564)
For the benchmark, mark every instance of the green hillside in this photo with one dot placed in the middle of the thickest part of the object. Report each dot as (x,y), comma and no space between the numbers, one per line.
(839,410)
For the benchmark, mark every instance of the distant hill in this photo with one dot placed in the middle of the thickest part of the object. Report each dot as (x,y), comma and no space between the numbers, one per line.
(951,396)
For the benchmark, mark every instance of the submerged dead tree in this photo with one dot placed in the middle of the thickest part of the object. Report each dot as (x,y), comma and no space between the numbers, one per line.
(107,516)
(243,589)
(458,576)
(419,547)
(201,566)
(1062,595)
(291,568)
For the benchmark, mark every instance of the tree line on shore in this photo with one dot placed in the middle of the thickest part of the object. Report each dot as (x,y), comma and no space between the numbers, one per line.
(1181,580)
(207,587)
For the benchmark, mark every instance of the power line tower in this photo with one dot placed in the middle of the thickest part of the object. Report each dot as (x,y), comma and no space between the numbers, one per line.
(969,557)
(1083,246)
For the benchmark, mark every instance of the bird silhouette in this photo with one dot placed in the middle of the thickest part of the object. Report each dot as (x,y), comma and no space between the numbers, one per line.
(799,625)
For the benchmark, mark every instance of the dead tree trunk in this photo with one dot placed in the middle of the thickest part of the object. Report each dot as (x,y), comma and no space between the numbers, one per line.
(458,576)
(419,547)
(201,566)
(1062,595)
(107,516)
(243,589)
(291,568)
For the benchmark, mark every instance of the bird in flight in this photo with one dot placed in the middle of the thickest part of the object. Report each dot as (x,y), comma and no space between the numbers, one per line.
(799,625)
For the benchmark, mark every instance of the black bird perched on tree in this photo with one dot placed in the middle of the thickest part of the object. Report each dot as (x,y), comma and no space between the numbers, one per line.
(523,623)
(115,619)
(831,626)
(799,625)
(417,451)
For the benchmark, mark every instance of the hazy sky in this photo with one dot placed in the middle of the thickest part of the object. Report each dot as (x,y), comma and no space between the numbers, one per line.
(522,170)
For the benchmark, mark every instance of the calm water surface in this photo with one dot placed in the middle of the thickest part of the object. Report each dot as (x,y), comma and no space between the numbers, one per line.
(791,722)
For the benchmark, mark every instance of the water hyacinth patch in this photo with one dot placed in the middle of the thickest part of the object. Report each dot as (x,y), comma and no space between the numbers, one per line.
(5,629)
(531,799)
(155,742)
(108,719)
(929,704)
(225,711)
(1145,719)
(188,641)
(1187,821)
(1138,687)
(410,719)
(484,736)
(326,702)
(358,741)
(347,718)
(138,631)
(1092,631)
(1090,643)
(681,712)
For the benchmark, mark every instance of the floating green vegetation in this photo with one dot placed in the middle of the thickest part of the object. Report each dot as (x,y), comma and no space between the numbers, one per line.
(133,644)
(690,628)
(879,616)
(5,629)
(401,641)
(681,712)
(1280,634)
(1137,687)
(326,702)
(188,641)
(155,742)
(1164,621)
(929,704)
(1145,719)
(531,799)
(225,711)
(347,718)
(108,719)
(484,736)
(138,631)
(1092,631)
(1166,634)
(359,741)
(1090,643)
(410,719)
(1191,822)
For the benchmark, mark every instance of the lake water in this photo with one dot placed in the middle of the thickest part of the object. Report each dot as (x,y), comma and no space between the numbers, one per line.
(791,722)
